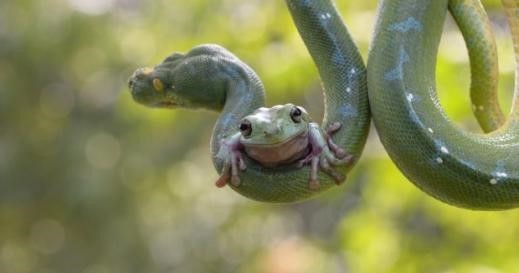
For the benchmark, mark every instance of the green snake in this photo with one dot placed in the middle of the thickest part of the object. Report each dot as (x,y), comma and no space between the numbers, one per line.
(470,170)
(464,169)
(211,77)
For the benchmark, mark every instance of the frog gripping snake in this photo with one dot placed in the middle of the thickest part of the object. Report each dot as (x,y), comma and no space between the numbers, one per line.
(476,171)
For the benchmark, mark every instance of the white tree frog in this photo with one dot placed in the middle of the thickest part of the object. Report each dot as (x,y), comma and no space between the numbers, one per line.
(281,135)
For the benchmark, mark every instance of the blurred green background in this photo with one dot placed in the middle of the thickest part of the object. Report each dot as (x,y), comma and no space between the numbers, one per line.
(91,182)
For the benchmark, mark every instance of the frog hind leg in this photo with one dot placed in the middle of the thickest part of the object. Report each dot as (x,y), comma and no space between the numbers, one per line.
(225,176)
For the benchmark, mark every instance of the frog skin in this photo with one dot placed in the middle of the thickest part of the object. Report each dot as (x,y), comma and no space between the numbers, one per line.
(279,136)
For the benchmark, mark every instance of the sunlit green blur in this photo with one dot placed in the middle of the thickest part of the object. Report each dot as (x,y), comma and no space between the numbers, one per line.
(92,182)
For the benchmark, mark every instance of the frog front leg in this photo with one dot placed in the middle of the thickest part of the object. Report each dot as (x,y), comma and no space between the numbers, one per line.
(325,155)
(231,153)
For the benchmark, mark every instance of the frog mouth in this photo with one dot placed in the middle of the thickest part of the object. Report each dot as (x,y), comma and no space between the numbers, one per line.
(285,152)
(288,141)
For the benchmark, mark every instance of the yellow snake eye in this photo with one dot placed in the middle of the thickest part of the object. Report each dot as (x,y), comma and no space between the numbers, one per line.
(158,85)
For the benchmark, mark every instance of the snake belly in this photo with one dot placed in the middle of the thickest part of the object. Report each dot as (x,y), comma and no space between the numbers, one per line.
(470,170)
(344,78)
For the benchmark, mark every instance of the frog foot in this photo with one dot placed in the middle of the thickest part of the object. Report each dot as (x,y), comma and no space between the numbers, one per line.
(232,156)
(325,155)
(332,129)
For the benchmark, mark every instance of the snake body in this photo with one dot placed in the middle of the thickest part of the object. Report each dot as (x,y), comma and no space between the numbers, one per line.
(476,171)
(470,170)
(343,74)
(211,77)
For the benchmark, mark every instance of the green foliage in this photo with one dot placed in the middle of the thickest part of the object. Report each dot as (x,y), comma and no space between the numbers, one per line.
(92,182)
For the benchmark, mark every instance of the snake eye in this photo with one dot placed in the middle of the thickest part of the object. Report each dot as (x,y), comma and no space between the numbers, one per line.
(296,114)
(158,85)
(245,128)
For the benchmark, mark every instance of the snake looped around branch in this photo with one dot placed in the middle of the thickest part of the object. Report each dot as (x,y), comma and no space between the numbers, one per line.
(468,170)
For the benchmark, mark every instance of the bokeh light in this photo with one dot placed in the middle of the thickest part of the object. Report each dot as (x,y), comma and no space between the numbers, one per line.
(92,7)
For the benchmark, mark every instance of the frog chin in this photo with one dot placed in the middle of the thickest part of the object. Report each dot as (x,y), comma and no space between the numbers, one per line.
(276,143)
(279,153)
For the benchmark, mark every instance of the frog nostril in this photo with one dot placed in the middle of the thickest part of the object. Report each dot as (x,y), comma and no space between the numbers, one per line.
(130,83)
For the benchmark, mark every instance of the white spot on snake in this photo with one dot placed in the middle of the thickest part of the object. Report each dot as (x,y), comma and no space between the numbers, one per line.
(481,108)
(353,71)
(348,90)
(440,145)
(469,164)
(500,170)
(347,111)
(325,16)
(410,24)
(338,58)
(474,107)
(398,72)
(501,174)
(410,97)
(430,130)
(439,160)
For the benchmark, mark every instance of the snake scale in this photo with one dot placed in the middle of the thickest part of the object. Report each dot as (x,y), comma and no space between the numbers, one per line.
(477,171)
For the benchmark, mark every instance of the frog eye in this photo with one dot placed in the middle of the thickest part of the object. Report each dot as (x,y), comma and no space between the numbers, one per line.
(296,114)
(245,128)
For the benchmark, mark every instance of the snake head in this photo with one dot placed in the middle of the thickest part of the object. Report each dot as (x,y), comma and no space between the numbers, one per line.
(197,79)
(153,87)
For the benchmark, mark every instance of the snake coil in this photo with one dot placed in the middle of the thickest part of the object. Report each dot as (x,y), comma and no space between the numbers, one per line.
(211,77)
(343,73)
(475,171)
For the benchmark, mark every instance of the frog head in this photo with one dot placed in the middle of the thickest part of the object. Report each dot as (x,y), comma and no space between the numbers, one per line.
(274,126)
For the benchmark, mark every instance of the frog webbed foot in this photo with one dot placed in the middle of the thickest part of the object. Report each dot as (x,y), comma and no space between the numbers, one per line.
(325,155)
(232,157)
(332,129)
